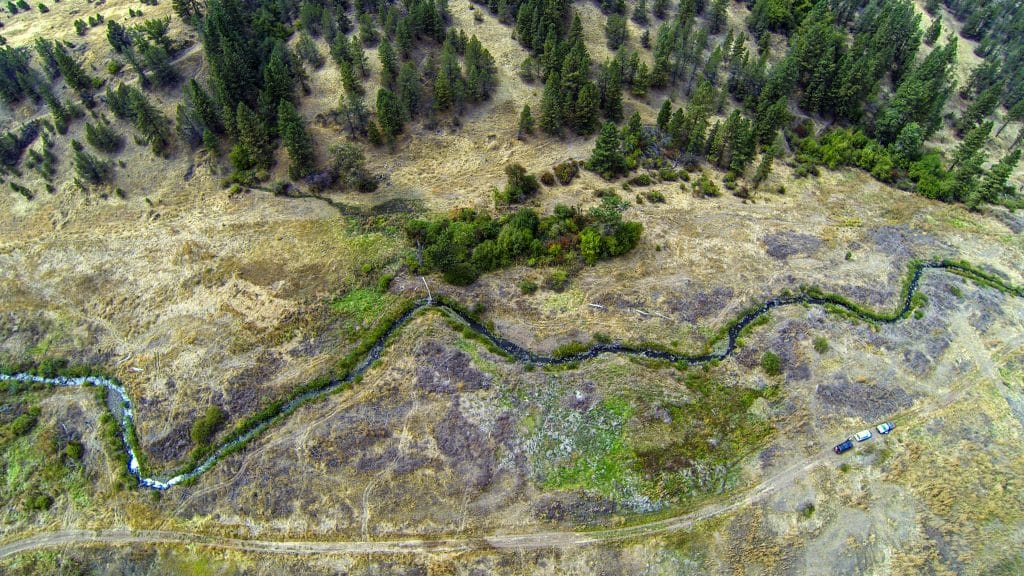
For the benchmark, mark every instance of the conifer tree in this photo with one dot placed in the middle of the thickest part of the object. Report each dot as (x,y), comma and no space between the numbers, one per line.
(640,13)
(442,92)
(971,144)
(90,168)
(934,30)
(677,130)
(607,159)
(525,122)
(253,147)
(150,122)
(409,95)
(296,139)
(994,185)
(204,106)
(982,106)
(551,107)
(664,115)
(388,63)
(612,104)
(389,115)
(587,109)
(1014,114)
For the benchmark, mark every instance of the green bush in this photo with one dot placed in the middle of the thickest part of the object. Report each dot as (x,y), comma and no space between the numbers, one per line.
(527,286)
(557,280)
(204,428)
(466,244)
(771,363)
(820,345)
(641,180)
(520,186)
(654,196)
(566,171)
(26,422)
(706,187)
(547,179)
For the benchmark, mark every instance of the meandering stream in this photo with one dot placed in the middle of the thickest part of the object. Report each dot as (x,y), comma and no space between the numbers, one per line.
(519,353)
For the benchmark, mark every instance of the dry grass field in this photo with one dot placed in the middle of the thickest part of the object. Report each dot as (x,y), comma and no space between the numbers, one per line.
(195,294)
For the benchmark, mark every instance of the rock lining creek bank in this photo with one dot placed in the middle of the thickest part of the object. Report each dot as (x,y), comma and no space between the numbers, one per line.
(281,410)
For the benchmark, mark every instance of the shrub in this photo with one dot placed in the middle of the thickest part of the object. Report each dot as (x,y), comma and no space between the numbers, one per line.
(26,422)
(207,425)
(527,286)
(557,280)
(706,187)
(38,502)
(641,180)
(771,363)
(820,345)
(654,196)
(566,172)
(74,450)
(520,185)
(668,174)
(547,179)
(43,8)
(81,27)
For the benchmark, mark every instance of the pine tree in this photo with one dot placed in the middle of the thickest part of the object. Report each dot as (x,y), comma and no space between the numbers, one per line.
(764,168)
(971,144)
(442,92)
(409,95)
(982,106)
(296,139)
(357,118)
(587,110)
(253,147)
(718,17)
(612,104)
(403,38)
(388,63)
(664,115)
(525,122)
(1014,114)
(278,83)
(676,130)
(116,35)
(204,106)
(641,81)
(389,114)
(994,185)
(348,79)
(640,13)
(607,159)
(551,107)
(150,122)
(90,168)
(933,31)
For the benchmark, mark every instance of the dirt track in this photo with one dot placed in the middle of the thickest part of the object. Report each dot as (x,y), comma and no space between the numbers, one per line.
(986,369)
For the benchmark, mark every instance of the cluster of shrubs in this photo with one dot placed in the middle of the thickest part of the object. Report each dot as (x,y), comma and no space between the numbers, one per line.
(468,243)
(82,27)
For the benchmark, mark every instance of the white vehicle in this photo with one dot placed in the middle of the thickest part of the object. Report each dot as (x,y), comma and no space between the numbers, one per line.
(862,435)
(885,427)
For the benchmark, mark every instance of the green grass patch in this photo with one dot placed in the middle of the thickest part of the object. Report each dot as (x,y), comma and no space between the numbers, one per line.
(362,304)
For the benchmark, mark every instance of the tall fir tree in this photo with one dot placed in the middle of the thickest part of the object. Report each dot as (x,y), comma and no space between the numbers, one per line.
(551,106)
(587,110)
(607,158)
(296,139)
(389,114)
(664,115)
(525,122)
